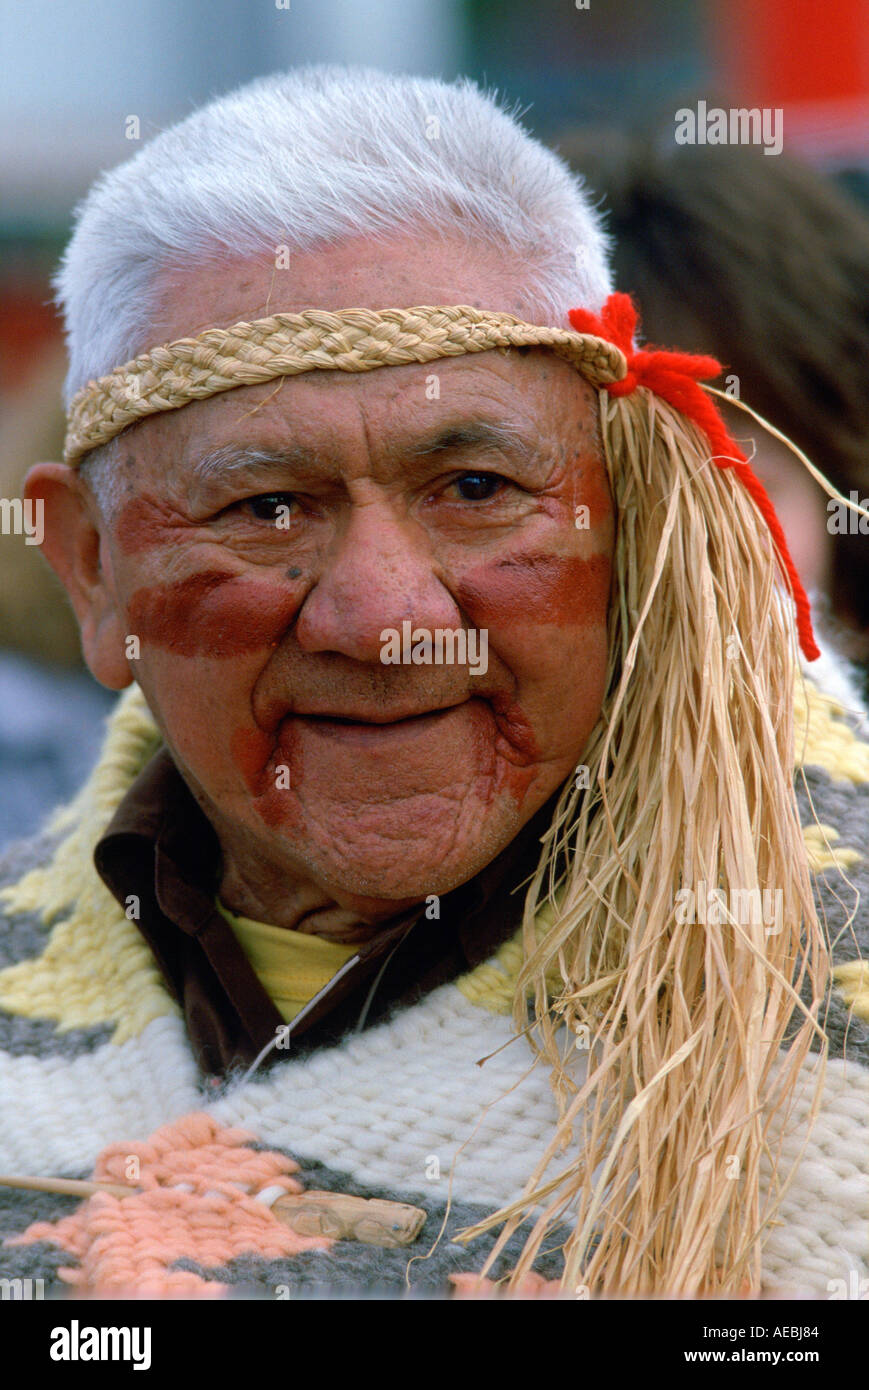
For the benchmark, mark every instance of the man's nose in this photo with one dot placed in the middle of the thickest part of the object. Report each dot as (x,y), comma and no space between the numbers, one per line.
(378,573)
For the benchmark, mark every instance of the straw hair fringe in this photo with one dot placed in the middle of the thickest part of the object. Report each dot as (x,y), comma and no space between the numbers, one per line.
(691,782)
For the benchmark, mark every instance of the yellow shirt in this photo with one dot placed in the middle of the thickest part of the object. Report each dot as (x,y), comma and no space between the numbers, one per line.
(292,966)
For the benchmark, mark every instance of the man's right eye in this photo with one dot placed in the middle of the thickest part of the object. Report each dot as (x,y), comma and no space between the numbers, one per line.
(271,506)
(478,487)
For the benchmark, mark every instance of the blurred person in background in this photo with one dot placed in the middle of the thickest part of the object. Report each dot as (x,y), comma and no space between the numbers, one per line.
(764,264)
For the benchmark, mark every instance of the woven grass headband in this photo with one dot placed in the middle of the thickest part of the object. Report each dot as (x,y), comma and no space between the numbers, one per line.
(350,340)
(601,348)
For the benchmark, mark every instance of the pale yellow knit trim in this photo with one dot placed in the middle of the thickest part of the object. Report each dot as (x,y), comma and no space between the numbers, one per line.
(492,984)
(349,340)
(820,841)
(96,967)
(852,982)
(823,739)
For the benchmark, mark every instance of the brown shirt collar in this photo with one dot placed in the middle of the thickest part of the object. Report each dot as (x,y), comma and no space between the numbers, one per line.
(160,858)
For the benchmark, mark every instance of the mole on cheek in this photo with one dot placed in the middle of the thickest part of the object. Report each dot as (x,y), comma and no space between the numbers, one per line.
(212,614)
(565,589)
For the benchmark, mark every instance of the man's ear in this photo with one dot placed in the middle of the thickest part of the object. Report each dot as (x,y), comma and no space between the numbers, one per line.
(75,545)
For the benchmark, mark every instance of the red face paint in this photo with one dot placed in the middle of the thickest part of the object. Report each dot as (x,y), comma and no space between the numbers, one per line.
(516,746)
(564,589)
(212,614)
(250,750)
(514,726)
(593,492)
(259,756)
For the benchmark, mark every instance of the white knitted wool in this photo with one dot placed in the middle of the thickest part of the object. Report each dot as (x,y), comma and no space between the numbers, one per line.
(384,1102)
(72,1109)
(835,675)
(824,1215)
(377,1105)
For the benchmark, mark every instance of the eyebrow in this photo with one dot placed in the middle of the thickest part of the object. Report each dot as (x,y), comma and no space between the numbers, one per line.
(228,459)
(474,435)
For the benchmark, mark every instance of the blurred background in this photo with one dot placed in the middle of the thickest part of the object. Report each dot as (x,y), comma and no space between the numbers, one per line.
(763,261)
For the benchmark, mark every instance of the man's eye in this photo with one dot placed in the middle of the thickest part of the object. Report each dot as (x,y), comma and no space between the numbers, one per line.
(271,506)
(477,487)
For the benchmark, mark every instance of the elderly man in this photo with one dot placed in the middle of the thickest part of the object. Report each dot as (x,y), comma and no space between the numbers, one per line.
(427,583)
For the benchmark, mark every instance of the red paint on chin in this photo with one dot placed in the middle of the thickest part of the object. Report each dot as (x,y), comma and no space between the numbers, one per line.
(516,781)
(568,590)
(259,757)
(250,750)
(213,613)
(516,746)
(515,728)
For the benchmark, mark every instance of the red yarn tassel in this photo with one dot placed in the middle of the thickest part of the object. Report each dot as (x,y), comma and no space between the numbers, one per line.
(674,376)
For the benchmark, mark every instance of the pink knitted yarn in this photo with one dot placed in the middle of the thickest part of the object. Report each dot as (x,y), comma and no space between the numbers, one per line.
(125,1246)
(532,1286)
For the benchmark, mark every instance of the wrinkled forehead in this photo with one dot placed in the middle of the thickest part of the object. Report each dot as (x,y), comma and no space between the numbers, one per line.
(450,284)
(363,271)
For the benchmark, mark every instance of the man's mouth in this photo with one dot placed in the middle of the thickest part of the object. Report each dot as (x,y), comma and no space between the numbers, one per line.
(372,718)
(373,723)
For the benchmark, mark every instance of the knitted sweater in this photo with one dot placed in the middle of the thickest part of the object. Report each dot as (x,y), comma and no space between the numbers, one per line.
(97,1080)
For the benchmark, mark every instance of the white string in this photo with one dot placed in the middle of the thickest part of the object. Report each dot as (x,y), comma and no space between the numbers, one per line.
(816,473)
(286,1030)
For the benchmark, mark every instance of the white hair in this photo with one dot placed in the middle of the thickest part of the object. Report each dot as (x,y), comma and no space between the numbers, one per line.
(310,157)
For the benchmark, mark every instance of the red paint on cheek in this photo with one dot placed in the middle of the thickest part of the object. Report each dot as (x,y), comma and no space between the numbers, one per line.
(565,589)
(213,614)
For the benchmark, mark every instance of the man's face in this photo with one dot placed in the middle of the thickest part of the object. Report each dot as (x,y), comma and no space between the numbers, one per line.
(468,493)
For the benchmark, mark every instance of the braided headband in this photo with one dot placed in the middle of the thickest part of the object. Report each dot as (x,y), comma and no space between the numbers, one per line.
(351,340)
(359,340)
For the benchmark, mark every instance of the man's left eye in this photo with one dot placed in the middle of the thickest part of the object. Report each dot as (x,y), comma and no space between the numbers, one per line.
(271,506)
(477,487)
